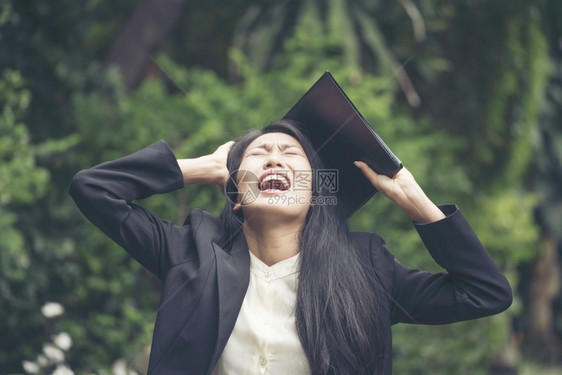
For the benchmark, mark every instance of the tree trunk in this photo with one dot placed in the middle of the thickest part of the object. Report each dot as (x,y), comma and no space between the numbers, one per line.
(144,31)
(540,340)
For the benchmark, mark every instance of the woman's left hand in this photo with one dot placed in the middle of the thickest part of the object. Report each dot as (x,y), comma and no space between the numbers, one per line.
(403,190)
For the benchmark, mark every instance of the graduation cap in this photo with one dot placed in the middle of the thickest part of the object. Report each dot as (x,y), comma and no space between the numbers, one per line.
(340,135)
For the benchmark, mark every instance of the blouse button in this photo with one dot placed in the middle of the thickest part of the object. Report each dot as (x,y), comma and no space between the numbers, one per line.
(262,361)
(267,273)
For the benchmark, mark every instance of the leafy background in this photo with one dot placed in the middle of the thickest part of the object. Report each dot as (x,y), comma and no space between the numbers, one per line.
(468,93)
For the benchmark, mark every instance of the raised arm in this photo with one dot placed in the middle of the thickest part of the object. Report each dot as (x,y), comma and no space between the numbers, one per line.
(473,285)
(105,195)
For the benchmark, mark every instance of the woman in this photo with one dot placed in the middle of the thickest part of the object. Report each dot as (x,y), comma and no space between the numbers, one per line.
(278,285)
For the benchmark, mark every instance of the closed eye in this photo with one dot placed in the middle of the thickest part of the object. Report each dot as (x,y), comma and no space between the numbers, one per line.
(292,150)
(265,149)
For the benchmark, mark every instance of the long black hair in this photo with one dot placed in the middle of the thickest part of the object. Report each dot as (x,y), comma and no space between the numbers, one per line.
(337,316)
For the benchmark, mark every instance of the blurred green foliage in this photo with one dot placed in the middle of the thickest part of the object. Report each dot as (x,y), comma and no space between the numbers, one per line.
(480,75)
(22,184)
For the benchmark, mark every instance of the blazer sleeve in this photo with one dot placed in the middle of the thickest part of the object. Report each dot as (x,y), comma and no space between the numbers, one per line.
(105,193)
(472,287)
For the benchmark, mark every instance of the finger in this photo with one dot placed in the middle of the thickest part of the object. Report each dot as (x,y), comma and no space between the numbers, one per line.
(371,175)
(381,182)
(226,146)
(229,144)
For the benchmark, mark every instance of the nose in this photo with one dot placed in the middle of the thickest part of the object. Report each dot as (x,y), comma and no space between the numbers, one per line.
(274,160)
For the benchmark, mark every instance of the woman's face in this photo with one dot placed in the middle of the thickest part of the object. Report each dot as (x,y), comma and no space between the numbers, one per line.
(275,177)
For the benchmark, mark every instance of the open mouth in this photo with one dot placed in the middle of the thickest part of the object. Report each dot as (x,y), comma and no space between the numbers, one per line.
(274,181)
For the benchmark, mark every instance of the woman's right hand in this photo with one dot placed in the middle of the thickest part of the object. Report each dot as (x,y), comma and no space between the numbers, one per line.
(208,169)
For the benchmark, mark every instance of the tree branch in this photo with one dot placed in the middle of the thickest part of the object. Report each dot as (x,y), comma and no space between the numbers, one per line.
(143,33)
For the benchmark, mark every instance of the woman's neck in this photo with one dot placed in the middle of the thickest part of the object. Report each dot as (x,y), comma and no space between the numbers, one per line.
(273,243)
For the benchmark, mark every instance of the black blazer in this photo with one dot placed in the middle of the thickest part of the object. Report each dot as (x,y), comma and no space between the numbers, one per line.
(204,285)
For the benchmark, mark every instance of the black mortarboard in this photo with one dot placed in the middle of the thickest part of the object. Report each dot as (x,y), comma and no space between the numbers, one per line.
(340,135)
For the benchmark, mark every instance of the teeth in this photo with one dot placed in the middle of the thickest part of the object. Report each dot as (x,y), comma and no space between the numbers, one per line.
(275,177)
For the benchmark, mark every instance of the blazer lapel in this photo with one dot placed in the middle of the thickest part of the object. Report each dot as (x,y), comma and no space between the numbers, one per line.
(233,277)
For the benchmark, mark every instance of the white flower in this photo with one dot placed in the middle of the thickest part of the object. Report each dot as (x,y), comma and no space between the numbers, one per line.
(63,370)
(52,309)
(119,367)
(30,367)
(53,353)
(63,341)
(42,360)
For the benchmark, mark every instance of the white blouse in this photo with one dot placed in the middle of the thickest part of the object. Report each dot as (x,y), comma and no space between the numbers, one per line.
(265,339)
